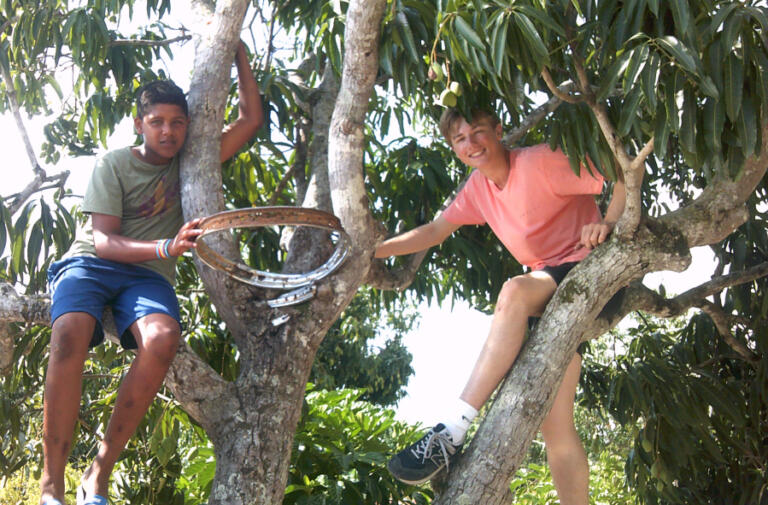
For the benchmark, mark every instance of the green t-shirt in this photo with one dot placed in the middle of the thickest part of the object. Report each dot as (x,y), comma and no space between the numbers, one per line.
(145,197)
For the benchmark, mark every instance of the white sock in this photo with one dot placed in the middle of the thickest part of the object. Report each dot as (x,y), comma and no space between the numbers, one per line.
(458,419)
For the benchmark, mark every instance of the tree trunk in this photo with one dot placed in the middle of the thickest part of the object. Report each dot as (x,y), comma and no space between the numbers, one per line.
(252,421)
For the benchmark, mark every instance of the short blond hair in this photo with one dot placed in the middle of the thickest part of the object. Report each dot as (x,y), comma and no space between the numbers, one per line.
(451,115)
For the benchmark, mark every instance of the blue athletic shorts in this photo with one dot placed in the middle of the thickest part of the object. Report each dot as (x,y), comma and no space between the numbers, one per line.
(88,284)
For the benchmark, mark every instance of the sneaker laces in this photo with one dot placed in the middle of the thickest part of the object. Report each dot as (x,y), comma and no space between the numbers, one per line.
(432,440)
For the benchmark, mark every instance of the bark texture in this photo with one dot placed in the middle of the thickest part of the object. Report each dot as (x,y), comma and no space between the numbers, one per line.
(253,433)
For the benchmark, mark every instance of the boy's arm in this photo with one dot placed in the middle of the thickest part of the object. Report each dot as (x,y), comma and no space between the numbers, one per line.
(418,239)
(110,245)
(594,234)
(250,114)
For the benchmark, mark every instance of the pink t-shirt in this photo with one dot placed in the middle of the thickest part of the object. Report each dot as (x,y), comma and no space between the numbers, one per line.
(539,213)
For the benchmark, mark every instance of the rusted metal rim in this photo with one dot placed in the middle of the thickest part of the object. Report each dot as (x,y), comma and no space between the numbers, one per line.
(301,284)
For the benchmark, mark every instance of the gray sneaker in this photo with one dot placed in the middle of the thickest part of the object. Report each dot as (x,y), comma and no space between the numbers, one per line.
(421,461)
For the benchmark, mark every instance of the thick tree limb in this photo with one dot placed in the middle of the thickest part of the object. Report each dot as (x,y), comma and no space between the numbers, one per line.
(380,277)
(347,136)
(308,246)
(717,284)
(15,308)
(639,297)
(318,193)
(7,344)
(217,35)
(720,208)
(527,394)
(201,402)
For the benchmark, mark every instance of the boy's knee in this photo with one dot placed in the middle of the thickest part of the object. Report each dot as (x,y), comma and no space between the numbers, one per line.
(559,436)
(163,343)
(512,294)
(69,339)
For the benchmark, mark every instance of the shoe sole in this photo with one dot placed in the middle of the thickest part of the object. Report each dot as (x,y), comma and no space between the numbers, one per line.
(419,482)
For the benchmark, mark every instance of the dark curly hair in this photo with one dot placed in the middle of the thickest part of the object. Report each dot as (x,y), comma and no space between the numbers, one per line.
(156,92)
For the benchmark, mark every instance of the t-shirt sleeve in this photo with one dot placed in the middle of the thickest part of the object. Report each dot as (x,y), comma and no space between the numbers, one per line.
(462,210)
(104,194)
(561,178)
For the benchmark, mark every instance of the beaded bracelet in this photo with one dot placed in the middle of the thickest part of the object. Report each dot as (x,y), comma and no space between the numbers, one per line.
(161,249)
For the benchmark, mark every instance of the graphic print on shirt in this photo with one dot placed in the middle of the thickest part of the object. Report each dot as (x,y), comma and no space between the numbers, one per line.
(164,197)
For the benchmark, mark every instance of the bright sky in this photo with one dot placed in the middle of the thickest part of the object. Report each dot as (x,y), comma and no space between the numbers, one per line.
(444,344)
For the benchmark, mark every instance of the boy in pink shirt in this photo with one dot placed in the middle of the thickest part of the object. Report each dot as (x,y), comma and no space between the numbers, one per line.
(546,216)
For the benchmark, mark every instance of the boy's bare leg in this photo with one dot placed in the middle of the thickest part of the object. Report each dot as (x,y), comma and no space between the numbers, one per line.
(565,452)
(71,333)
(521,297)
(157,336)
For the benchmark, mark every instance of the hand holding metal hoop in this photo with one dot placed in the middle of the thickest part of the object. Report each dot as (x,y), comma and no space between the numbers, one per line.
(303,284)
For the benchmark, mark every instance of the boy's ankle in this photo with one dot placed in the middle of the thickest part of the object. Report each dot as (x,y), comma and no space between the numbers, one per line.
(94,481)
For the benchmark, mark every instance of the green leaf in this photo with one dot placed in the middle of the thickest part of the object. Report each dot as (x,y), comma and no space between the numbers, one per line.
(688,121)
(746,126)
(636,63)
(468,33)
(731,29)
(407,37)
(654,6)
(532,36)
(708,86)
(499,39)
(661,131)
(612,75)
(734,86)
(714,26)
(5,220)
(17,253)
(650,78)
(681,15)
(35,245)
(681,54)
(629,110)
(541,16)
(714,118)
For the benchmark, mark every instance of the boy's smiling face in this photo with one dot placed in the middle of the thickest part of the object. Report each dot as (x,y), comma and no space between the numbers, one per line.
(164,128)
(477,144)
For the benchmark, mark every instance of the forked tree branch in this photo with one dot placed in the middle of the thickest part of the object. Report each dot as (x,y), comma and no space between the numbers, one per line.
(639,297)
(564,95)
(633,169)
(724,322)
(532,119)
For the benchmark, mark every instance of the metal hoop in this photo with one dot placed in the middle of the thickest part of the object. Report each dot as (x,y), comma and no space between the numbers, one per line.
(302,285)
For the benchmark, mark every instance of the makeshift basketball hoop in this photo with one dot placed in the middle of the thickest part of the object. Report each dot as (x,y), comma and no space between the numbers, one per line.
(302,285)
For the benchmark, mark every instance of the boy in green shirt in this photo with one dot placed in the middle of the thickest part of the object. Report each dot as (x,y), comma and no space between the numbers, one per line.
(124,258)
